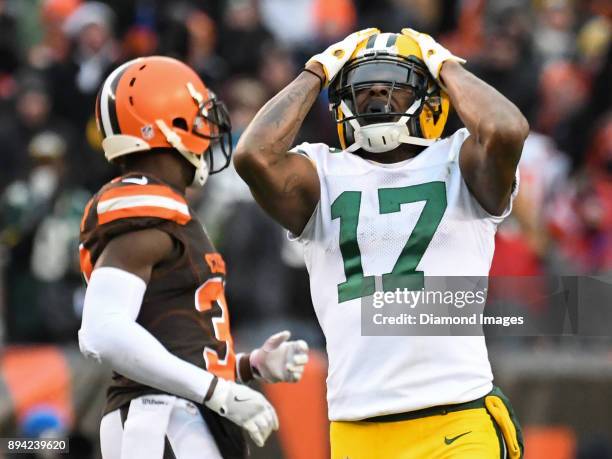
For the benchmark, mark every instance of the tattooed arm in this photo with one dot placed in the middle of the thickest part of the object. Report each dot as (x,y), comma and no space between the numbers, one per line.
(490,155)
(285,184)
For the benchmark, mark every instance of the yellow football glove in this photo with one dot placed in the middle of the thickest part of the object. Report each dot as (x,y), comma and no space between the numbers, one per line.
(434,54)
(334,57)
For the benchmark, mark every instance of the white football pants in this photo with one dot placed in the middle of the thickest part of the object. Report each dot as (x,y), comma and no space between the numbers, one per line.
(157,427)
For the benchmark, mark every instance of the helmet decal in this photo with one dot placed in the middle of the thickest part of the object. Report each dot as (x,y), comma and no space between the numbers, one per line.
(147,132)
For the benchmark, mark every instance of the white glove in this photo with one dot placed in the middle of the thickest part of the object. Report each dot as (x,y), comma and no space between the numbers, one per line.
(280,360)
(334,57)
(433,52)
(244,407)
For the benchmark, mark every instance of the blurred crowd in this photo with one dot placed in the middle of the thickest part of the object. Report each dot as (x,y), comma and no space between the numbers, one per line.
(552,58)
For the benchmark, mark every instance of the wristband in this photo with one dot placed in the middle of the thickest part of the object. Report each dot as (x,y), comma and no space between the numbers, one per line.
(321,79)
(211,389)
(244,371)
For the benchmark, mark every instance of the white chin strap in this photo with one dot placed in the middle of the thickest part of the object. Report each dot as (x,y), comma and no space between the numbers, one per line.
(202,169)
(383,137)
(201,174)
(201,165)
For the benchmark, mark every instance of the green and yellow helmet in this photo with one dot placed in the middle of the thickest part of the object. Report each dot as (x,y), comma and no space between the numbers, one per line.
(392,61)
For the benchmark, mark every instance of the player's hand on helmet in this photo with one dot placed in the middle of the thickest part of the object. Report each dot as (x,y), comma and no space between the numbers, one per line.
(334,57)
(280,360)
(433,52)
(244,407)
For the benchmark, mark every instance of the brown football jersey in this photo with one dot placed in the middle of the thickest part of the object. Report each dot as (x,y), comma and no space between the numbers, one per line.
(184,305)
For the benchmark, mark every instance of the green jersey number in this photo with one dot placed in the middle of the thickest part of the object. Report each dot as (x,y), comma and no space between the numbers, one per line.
(404,275)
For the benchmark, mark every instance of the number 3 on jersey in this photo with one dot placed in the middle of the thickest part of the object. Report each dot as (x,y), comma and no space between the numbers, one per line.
(208,297)
(346,207)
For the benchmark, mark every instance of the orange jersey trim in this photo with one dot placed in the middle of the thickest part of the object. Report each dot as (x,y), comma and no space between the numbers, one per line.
(137,190)
(143,211)
(215,263)
(86,213)
(85,261)
(131,201)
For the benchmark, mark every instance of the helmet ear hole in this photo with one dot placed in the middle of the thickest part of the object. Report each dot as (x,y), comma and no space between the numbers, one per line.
(180,123)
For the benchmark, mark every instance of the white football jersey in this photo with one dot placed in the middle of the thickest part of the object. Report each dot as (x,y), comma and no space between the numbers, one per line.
(376,375)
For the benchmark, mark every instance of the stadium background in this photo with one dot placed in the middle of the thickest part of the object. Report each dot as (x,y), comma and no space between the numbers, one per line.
(551,57)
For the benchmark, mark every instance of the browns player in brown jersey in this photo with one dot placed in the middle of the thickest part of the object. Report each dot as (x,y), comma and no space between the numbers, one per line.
(155,309)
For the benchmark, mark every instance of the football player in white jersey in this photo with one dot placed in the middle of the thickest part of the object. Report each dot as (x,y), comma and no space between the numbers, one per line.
(401,204)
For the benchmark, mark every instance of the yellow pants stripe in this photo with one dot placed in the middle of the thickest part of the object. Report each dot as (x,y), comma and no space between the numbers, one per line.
(463,434)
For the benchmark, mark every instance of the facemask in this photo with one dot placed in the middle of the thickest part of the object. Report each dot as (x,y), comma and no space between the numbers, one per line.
(383,137)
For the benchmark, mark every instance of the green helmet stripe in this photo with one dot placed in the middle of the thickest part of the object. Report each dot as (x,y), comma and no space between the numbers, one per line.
(371,40)
(391,39)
